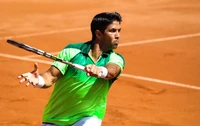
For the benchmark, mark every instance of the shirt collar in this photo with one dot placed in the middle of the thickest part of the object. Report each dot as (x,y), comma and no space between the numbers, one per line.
(86,48)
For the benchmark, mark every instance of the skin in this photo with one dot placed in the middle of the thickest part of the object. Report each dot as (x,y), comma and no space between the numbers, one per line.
(104,42)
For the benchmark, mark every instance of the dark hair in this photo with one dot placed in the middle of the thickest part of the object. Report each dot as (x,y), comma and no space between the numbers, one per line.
(102,20)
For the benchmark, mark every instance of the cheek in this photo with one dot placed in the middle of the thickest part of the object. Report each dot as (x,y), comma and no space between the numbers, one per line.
(108,37)
(109,40)
(111,37)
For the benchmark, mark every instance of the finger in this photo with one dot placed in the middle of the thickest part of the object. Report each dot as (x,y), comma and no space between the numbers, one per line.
(20,76)
(99,74)
(88,68)
(88,74)
(33,84)
(27,84)
(24,75)
(92,68)
(22,80)
(97,70)
(35,67)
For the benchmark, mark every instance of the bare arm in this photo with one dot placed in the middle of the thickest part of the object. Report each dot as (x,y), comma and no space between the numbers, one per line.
(50,76)
(113,70)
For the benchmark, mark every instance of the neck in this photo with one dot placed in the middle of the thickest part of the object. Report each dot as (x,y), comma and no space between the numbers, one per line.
(95,51)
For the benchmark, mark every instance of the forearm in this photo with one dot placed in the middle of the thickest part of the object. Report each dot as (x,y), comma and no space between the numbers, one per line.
(47,80)
(113,71)
(50,76)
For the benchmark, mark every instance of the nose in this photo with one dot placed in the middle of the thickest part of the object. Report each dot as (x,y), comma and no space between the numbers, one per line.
(117,35)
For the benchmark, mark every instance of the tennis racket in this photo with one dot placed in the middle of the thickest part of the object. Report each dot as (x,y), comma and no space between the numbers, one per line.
(43,53)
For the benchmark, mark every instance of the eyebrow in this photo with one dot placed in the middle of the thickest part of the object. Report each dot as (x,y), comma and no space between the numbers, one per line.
(115,28)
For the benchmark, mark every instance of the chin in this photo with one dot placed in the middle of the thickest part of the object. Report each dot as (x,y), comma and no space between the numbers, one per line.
(115,46)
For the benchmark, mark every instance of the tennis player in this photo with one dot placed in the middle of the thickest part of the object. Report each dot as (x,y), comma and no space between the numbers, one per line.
(79,98)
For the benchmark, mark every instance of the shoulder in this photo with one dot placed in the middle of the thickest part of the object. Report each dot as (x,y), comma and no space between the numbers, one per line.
(120,56)
(75,45)
(83,47)
(80,45)
(117,55)
(117,59)
(69,51)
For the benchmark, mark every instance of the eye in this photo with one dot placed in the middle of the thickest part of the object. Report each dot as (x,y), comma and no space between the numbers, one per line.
(113,30)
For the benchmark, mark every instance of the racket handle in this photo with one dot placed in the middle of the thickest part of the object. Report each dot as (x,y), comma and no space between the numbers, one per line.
(80,67)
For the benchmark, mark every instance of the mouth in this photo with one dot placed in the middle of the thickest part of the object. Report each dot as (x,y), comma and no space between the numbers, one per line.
(116,42)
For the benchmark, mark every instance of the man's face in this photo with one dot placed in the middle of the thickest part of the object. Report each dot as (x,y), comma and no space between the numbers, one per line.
(110,37)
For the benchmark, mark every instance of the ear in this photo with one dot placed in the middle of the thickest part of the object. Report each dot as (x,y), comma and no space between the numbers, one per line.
(98,34)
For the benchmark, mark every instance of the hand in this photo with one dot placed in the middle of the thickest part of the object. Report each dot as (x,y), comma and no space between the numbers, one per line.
(30,77)
(92,70)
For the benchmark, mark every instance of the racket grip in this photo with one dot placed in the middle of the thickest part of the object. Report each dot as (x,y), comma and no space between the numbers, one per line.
(80,67)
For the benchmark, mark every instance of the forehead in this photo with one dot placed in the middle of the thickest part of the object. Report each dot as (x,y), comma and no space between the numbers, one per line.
(115,25)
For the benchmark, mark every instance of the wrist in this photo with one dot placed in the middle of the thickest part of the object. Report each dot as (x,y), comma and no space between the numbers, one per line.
(41,81)
(103,73)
